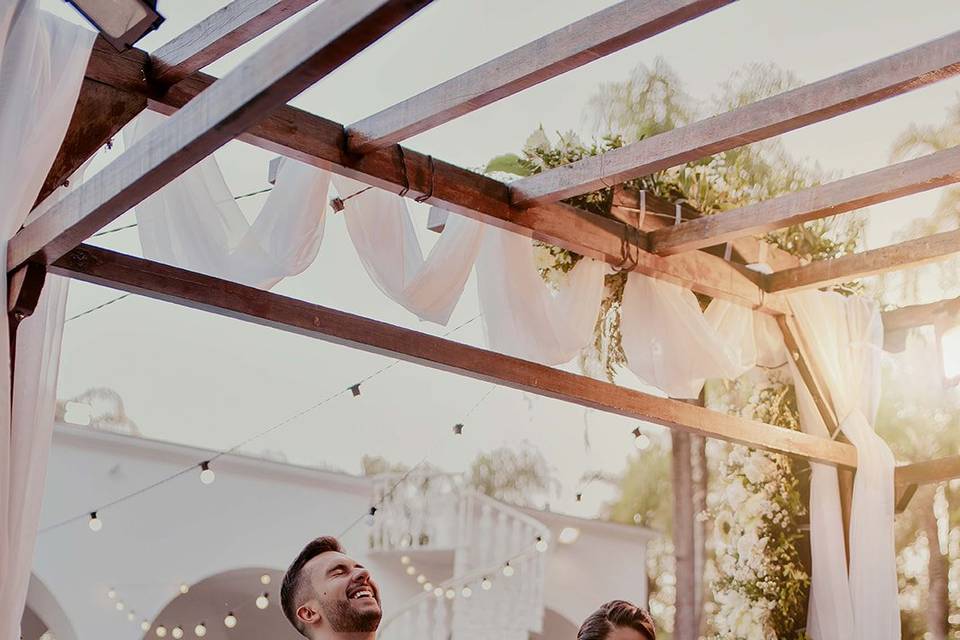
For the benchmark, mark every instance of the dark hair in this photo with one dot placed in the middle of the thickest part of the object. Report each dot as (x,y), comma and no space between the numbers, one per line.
(616,613)
(289,590)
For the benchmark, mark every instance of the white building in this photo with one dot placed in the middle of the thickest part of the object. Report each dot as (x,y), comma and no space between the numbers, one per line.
(218,541)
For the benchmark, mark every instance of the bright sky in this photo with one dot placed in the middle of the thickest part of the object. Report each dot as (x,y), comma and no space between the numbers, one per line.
(195,378)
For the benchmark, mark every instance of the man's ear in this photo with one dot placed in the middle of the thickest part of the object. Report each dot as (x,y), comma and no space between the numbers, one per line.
(308,613)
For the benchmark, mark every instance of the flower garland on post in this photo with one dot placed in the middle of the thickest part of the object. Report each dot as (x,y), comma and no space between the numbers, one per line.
(761,585)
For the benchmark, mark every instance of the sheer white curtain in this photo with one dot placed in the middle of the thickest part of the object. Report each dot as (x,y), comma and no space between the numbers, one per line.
(673,345)
(382,232)
(42,61)
(522,316)
(195,223)
(844,337)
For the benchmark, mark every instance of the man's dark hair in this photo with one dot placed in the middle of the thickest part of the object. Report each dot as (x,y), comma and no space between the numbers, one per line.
(616,613)
(292,579)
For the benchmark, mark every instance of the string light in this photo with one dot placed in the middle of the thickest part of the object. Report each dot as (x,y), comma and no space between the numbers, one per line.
(371,515)
(451,594)
(640,439)
(421,579)
(230,621)
(207,476)
(111,593)
(486,584)
(411,570)
(458,429)
(541,544)
(579,497)
(265,579)
(119,605)
(355,389)
(428,586)
(131,615)
(184,588)
(507,569)
(404,560)
(161,631)
(466,592)
(177,633)
(95,523)
(263,601)
(145,625)
(438,592)
(200,630)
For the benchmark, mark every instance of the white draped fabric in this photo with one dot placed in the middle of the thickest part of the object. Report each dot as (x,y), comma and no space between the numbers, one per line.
(382,232)
(673,345)
(844,337)
(195,223)
(42,61)
(522,316)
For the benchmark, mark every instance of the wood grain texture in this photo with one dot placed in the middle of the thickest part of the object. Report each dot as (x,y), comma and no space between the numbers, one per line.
(162,282)
(218,34)
(313,47)
(842,93)
(887,183)
(928,472)
(911,253)
(586,40)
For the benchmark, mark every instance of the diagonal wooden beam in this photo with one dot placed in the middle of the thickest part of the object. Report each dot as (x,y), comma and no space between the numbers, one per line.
(320,142)
(888,183)
(324,39)
(162,282)
(584,41)
(773,116)
(218,34)
(103,108)
(911,253)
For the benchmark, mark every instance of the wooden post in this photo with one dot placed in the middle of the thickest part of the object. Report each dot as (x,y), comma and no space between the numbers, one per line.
(684,540)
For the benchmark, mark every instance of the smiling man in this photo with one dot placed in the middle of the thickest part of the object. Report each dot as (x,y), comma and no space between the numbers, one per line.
(618,620)
(326,595)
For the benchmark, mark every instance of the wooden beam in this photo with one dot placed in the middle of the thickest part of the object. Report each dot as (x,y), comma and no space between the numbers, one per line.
(103,109)
(811,379)
(320,142)
(888,183)
(586,40)
(920,314)
(773,116)
(928,471)
(163,282)
(218,34)
(911,253)
(313,47)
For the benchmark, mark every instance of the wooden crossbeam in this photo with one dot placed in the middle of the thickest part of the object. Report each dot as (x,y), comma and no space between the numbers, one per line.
(162,282)
(911,253)
(842,93)
(908,477)
(316,45)
(314,140)
(919,315)
(103,107)
(888,183)
(584,41)
(218,34)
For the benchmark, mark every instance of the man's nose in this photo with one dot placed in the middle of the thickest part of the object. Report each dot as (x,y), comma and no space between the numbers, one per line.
(360,574)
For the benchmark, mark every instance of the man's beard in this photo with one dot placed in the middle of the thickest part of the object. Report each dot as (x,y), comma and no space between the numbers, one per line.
(345,619)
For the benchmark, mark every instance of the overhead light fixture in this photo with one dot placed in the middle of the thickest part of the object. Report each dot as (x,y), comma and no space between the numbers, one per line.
(568,535)
(120,22)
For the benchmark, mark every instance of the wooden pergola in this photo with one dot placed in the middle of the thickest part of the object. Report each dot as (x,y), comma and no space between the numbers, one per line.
(249,104)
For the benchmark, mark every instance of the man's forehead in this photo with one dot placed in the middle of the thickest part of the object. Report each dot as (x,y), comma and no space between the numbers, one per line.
(326,560)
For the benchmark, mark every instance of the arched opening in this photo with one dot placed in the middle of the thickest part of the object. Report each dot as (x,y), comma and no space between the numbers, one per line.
(555,627)
(43,617)
(209,601)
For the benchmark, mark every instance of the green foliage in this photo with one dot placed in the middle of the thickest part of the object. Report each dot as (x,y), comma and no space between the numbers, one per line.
(516,476)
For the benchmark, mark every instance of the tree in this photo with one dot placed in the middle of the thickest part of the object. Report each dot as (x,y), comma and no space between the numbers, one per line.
(521,477)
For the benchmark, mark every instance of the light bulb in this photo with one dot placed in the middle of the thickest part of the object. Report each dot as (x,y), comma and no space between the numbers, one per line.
(177,633)
(486,585)
(428,586)
(230,621)
(541,544)
(640,440)
(145,625)
(411,570)
(184,587)
(466,592)
(207,476)
(131,615)
(451,594)
(404,560)
(200,630)
(263,601)
(95,523)
(161,631)
(438,592)
(111,594)
(507,570)
(421,578)
(265,579)
(119,605)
